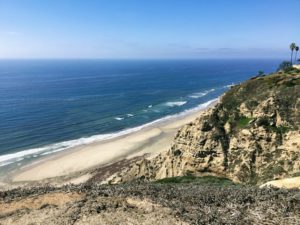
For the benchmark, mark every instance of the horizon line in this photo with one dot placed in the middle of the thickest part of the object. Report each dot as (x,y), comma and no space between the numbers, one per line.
(208,58)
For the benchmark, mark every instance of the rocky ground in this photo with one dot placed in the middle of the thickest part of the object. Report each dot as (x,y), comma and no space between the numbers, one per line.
(150,203)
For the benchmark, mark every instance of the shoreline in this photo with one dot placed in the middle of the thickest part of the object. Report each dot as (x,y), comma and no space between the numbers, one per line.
(150,140)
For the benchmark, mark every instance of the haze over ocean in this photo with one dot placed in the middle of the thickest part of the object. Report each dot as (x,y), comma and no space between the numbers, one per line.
(50,105)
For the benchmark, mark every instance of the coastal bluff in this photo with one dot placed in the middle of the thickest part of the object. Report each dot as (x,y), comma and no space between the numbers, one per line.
(251,136)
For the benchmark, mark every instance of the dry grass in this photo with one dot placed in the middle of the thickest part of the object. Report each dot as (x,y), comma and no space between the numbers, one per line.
(38,202)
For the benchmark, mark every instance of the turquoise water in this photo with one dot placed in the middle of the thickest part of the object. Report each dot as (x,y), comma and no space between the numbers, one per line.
(48,106)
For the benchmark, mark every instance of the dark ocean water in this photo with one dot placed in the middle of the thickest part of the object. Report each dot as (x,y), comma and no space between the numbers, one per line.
(50,105)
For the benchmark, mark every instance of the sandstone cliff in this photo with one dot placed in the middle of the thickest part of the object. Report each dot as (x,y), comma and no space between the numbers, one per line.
(251,136)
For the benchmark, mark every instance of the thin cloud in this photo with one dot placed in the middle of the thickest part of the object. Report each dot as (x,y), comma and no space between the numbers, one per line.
(11,33)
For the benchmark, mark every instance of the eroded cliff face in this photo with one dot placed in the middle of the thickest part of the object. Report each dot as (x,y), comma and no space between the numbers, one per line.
(251,136)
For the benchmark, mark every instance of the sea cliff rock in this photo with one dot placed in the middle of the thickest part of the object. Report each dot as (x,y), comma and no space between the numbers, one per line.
(251,136)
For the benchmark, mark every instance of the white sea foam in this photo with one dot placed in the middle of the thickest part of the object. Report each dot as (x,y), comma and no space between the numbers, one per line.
(201,94)
(5,163)
(57,147)
(229,85)
(119,118)
(149,106)
(173,104)
(130,115)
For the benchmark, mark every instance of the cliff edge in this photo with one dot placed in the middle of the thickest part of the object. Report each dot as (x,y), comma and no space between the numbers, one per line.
(251,136)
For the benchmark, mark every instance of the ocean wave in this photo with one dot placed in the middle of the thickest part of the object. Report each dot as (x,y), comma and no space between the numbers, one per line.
(173,104)
(6,163)
(130,115)
(149,106)
(229,85)
(201,94)
(57,147)
(119,118)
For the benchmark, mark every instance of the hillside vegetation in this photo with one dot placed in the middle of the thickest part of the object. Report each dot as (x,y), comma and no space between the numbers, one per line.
(149,203)
(251,136)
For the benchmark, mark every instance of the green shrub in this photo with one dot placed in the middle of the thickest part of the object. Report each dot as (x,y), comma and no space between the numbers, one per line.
(286,66)
(244,121)
(206,180)
(280,129)
(260,73)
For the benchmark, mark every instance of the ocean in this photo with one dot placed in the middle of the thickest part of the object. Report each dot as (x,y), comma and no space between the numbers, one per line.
(47,106)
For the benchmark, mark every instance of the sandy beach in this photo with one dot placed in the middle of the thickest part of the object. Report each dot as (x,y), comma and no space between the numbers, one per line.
(149,141)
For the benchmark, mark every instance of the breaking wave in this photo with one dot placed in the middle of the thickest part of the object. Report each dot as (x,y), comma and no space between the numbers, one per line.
(61,146)
(173,104)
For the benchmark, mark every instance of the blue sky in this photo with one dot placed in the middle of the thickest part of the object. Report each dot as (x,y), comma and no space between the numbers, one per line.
(148,28)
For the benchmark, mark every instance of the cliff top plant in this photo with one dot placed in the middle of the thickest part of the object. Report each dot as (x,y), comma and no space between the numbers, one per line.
(205,180)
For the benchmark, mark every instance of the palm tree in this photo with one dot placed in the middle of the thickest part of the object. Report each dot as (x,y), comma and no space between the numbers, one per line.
(292,47)
(296,49)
